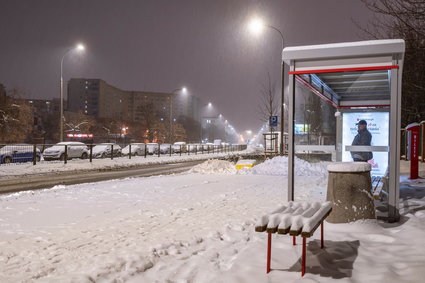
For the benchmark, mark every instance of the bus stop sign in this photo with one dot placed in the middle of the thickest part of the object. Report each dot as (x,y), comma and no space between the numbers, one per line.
(273,121)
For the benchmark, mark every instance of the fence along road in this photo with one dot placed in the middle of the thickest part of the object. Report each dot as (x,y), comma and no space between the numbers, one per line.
(33,182)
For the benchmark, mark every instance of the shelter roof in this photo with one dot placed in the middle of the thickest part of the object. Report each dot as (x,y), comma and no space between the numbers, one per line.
(344,49)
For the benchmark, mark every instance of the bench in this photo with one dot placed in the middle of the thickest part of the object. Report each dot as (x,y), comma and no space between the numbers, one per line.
(294,219)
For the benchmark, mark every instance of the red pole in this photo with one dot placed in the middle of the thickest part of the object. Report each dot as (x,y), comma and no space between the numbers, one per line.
(303,257)
(269,251)
(294,240)
(322,234)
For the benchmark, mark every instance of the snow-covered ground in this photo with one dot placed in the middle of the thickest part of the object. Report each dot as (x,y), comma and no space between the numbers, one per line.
(199,227)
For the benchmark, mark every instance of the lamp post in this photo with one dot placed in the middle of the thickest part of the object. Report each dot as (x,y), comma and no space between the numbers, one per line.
(79,47)
(209,104)
(183,89)
(256,26)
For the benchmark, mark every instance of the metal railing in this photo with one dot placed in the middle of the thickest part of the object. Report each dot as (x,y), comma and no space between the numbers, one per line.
(63,152)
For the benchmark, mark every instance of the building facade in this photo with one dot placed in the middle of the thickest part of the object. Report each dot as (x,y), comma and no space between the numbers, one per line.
(95,97)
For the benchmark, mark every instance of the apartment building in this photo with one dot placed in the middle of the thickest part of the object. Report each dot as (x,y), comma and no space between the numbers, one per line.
(99,99)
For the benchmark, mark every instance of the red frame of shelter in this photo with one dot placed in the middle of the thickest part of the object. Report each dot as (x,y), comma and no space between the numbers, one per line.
(319,71)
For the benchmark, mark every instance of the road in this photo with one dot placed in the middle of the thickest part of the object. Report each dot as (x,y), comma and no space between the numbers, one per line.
(34,182)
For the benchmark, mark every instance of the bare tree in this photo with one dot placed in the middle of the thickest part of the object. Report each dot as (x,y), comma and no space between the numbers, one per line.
(149,120)
(16,118)
(404,19)
(79,122)
(269,105)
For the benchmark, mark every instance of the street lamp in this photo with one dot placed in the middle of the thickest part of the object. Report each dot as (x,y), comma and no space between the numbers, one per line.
(184,90)
(209,104)
(78,47)
(256,26)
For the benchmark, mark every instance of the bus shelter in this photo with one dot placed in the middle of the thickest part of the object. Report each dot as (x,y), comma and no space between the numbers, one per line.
(332,87)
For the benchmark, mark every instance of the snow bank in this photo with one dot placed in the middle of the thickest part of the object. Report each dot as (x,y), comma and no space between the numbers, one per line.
(278,166)
(214,166)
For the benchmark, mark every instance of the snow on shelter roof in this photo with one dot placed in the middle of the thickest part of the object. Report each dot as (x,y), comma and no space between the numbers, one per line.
(344,49)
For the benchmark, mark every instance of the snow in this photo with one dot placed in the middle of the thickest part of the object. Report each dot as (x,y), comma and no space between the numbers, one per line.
(214,166)
(346,44)
(349,167)
(18,169)
(279,166)
(412,125)
(345,51)
(195,227)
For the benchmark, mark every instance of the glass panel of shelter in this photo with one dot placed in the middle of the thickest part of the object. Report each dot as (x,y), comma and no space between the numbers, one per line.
(328,109)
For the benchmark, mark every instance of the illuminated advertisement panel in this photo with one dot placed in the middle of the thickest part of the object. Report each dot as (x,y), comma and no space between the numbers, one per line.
(378,126)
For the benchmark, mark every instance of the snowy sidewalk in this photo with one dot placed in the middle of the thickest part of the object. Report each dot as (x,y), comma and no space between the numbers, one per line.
(197,228)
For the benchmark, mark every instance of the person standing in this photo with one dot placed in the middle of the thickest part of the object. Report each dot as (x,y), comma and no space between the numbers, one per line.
(363,137)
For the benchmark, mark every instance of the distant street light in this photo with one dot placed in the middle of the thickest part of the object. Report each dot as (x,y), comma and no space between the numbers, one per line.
(256,26)
(184,90)
(78,47)
(209,105)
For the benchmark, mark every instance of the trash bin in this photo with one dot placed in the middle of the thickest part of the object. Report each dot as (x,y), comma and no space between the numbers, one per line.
(350,190)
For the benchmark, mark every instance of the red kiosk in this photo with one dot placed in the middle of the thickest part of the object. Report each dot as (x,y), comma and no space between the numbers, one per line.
(413,149)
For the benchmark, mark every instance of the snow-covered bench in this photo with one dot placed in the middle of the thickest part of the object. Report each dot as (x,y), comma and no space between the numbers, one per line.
(294,218)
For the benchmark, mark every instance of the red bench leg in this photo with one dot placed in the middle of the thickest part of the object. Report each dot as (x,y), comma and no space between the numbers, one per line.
(294,240)
(322,235)
(269,251)
(303,257)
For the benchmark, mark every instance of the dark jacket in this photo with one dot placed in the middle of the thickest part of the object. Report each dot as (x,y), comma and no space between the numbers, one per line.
(363,137)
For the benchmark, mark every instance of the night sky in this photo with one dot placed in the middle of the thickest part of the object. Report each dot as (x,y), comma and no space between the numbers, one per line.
(160,45)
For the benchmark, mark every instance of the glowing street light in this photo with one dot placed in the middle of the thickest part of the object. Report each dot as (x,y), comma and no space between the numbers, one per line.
(256,25)
(79,47)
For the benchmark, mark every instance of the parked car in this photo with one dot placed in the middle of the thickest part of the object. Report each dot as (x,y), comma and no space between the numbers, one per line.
(202,146)
(104,150)
(179,146)
(74,150)
(18,153)
(136,149)
(164,148)
(151,147)
(194,147)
